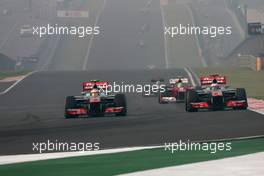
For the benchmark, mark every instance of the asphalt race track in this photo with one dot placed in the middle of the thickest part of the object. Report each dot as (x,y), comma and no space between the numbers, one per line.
(118,45)
(33,111)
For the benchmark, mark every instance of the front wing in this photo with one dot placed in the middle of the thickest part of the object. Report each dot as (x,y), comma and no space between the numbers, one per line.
(83,112)
(231,104)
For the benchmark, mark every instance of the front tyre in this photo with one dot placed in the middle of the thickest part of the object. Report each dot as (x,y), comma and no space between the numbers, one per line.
(241,96)
(160,101)
(70,103)
(120,101)
(191,97)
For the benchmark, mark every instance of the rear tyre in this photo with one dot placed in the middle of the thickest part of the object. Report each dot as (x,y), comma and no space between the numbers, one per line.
(191,97)
(160,101)
(71,103)
(241,95)
(120,101)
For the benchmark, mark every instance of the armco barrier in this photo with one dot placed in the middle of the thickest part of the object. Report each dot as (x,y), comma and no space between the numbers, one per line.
(248,61)
(259,63)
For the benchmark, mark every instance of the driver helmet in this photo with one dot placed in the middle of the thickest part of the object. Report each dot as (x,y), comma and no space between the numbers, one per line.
(179,83)
(215,86)
(94,92)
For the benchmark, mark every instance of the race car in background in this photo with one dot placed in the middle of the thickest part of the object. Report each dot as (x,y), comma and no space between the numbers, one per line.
(168,96)
(175,92)
(215,95)
(95,102)
(157,82)
(26,30)
(180,85)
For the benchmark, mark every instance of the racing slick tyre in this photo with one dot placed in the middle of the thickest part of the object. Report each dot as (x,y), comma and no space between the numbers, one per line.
(70,104)
(120,101)
(241,95)
(161,102)
(191,97)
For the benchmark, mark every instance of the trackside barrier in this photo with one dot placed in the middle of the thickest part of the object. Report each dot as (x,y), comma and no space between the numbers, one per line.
(249,61)
(259,64)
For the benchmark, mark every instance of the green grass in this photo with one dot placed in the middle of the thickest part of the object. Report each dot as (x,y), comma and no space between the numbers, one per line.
(12,73)
(182,49)
(251,80)
(119,163)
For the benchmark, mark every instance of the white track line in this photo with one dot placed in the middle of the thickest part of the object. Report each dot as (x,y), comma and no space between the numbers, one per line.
(12,159)
(254,110)
(165,38)
(16,83)
(195,75)
(52,53)
(92,37)
(196,37)
(190,76)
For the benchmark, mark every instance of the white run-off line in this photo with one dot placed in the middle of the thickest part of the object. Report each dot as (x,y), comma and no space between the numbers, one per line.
(11,79)
(253,104)
(22,158)
(92,37)
(247,165)
(16,83)
(12,159)
(52,53)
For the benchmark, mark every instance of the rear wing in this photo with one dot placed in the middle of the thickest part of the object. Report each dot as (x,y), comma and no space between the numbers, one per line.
(156,80)
(177,80)
(208,80)
(88,86)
